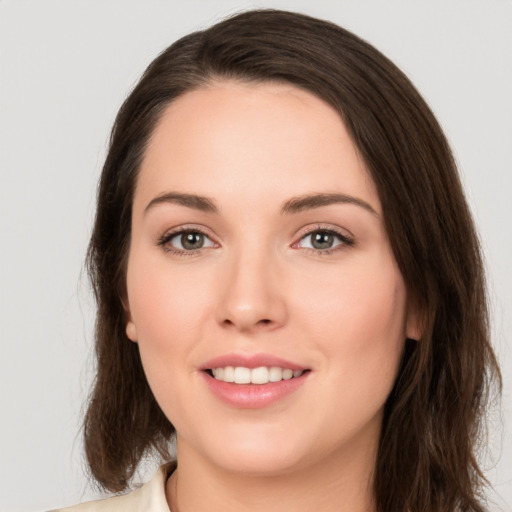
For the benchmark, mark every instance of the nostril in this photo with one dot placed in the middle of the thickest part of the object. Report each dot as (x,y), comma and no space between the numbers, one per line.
(246,323)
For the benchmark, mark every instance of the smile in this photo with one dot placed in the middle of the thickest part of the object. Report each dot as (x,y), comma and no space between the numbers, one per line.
(252,381)
(260,375)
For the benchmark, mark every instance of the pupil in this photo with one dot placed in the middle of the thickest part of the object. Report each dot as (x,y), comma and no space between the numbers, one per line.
(322,240)
(192,240)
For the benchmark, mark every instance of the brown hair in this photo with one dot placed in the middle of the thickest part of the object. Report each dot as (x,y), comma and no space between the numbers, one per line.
(433,417)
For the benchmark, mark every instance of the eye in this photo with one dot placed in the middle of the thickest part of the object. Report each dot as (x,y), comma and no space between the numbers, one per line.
(324,240)
(184,241)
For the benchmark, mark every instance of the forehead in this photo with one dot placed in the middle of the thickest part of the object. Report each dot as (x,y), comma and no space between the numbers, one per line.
(252,141)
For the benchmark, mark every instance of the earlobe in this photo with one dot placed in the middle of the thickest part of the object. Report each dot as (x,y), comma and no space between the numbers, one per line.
(414,325)
(131,331)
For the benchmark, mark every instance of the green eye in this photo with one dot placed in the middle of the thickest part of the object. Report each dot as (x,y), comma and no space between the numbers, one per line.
(191,241)
(324,240)
(186,241)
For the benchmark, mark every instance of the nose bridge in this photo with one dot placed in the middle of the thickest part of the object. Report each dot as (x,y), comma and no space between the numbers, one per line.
(252,297)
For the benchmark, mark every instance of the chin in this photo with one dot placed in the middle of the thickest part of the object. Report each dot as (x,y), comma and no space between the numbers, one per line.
(258,443)
(256,452)
(259,462)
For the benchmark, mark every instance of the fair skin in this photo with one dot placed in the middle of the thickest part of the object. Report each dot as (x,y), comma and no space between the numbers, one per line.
(264,274)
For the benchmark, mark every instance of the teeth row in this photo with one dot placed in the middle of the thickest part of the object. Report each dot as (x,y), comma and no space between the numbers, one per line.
(261,375)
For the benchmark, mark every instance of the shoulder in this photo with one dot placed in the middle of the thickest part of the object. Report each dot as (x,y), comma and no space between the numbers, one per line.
(150,497)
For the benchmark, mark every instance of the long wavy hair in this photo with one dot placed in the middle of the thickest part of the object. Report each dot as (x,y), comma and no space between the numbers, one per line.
(427,456)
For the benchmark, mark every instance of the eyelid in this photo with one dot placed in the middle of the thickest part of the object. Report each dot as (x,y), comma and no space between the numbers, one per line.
(164,239)
(346,238)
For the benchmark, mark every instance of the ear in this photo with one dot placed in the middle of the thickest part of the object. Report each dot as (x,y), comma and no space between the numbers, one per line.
(131,329)
(414,323)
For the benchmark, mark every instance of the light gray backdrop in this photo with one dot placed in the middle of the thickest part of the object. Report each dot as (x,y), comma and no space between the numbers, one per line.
(65,68)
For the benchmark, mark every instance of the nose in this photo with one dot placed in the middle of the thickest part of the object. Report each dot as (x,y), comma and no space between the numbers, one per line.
(252,297)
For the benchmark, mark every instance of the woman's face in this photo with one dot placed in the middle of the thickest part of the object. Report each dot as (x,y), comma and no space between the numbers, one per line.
(258,252)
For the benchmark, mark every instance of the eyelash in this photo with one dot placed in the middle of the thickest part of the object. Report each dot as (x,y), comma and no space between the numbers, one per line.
(164,240)
(346,241)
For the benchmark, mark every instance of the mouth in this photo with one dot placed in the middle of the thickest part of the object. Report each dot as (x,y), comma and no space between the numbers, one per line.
(253,381)
(258,376)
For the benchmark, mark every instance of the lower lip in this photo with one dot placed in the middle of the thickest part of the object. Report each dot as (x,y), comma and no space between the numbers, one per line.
(253,396)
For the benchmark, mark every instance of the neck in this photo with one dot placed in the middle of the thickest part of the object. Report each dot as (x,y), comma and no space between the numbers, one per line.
(341,482)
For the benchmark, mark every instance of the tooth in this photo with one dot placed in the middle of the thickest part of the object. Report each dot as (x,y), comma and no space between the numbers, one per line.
(218,373)
(287,374)
(275,374)
(259,375)
(229,374)
(242,375)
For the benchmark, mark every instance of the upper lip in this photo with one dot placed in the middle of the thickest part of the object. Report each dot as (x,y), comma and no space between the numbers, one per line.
(250,361)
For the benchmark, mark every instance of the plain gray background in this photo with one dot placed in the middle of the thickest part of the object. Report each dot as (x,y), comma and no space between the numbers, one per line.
(65,68)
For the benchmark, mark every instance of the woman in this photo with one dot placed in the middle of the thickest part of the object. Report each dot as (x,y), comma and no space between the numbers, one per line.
(288,280)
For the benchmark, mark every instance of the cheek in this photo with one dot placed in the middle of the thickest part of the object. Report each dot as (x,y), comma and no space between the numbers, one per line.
(169,309)
(358,317)
(165,308)
(165,305)
(358,320)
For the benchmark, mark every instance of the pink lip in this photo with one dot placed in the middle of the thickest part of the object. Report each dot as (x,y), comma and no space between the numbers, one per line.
(252,396)
(250,361)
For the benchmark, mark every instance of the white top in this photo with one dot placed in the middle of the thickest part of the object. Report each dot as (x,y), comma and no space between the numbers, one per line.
(148,498)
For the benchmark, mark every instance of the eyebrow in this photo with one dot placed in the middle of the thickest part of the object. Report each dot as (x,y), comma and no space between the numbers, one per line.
(310,201)
(293,205)
(201,203)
